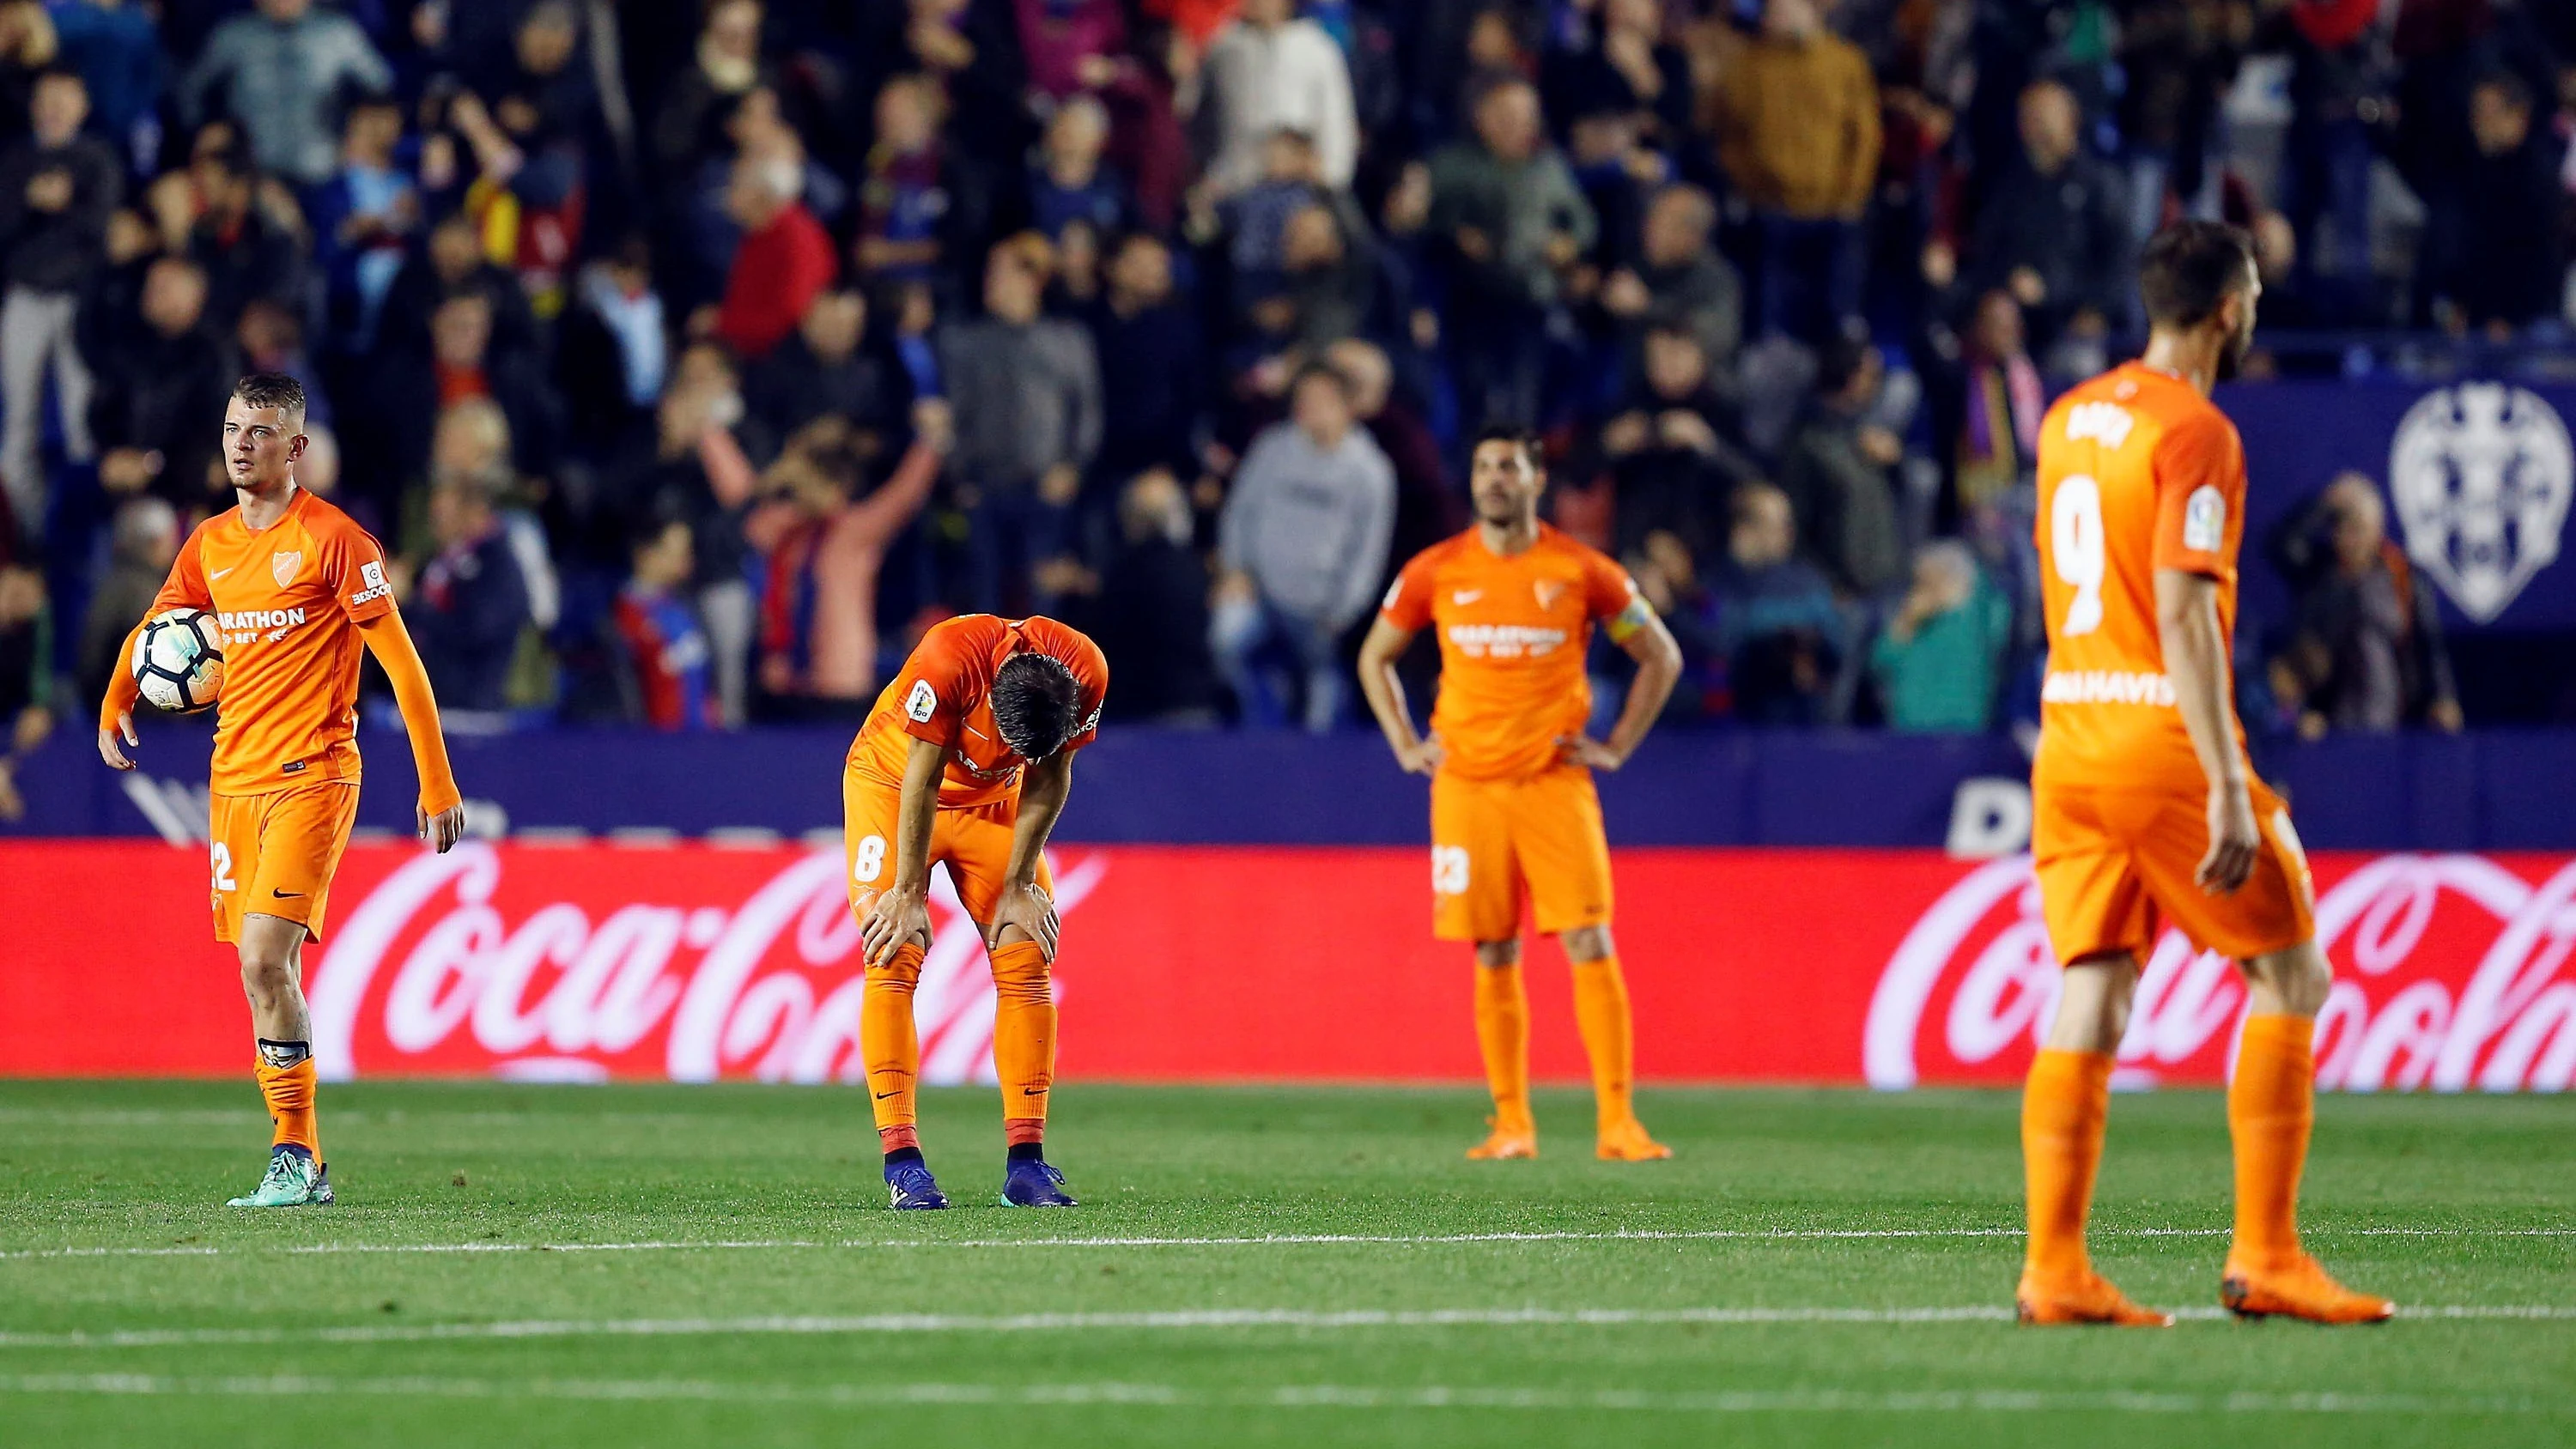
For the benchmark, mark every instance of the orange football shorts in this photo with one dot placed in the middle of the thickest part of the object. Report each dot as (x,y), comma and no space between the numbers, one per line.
(2113,864)
(1498,843)
(274,854)
(974,841)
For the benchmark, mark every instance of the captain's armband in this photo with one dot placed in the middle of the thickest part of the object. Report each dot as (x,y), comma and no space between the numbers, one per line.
(1635,616)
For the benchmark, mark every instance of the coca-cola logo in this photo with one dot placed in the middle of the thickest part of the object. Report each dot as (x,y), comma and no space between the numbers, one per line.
(2451,972)
(440,968)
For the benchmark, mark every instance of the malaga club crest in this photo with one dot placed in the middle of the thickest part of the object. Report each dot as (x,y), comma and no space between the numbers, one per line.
(2481,474)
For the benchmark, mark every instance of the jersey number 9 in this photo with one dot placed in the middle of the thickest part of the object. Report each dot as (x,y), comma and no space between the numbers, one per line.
(2075,547)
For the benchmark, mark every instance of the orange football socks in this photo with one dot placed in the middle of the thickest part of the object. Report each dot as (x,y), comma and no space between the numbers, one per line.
(1502,1031)
(1023,1039)
(2271,1107)
(891,1045)
(2063,1107)
(1609,1036)
(290,1091)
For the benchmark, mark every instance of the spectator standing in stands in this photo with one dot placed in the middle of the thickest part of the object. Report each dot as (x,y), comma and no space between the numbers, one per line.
(246,253)
(1153,607)
(614,354)
(1026,390)
(156,390)
(2365,651)
(1669,449)
(1270,71)
(26,675)
(1797,132)
(1938,664)
(922,206)
(469,605)
(1678,278)
(2499,236)
(1988,408)
(117,50)
(783,263)
(364,219)
(1838,475)
(1151,401)
(821,369)
(662,652)
(143,542)
(277,71)
(822,548)
(57,189)
(2054,229)
(1512,219)
(1304,546)
(1068,184)
(1779,629)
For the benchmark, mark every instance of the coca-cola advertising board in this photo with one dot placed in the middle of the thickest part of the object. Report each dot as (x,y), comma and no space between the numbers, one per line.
(698,963)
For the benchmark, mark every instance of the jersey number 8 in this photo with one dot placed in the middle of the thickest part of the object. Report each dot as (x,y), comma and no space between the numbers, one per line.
(2075,547)
(871,860)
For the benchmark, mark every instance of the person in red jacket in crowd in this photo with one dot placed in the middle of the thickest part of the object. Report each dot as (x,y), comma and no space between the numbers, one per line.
(784,262)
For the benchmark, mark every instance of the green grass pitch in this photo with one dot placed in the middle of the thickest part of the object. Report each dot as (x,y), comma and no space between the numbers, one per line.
(1816,1268)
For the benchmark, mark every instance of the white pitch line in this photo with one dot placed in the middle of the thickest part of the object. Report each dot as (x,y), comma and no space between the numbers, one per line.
(1165,1320)
(1290,1396)
(1269,1240)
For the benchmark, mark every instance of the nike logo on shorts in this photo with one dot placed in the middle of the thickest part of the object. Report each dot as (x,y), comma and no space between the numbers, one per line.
(284,895)
(1466,596)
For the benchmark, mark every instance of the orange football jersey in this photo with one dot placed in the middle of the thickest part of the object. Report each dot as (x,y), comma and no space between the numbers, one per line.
(943,694)
(1512,633)
(2137,472)
(287,601)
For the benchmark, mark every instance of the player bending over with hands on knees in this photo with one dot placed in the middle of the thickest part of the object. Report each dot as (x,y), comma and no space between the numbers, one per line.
(2145,808)
(1514,816)
(967,758)
(294,588)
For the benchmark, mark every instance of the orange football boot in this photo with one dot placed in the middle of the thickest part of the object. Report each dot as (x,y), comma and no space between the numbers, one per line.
(2089,1299)
(2302,1289)
(1507,1140)
(1627,1142)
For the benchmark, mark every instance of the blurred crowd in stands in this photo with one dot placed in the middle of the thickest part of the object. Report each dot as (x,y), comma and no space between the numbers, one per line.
(693,356)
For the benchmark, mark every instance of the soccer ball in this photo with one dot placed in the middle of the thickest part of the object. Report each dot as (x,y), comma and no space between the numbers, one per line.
(179,662)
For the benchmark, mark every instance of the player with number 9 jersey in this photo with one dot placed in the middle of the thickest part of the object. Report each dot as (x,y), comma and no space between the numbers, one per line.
(2145,807)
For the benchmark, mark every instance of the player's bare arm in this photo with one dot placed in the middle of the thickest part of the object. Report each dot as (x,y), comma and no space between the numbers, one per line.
(1025,906)
(901,912)
(2195,651)
(1385,644)
(439,817)
(1659,666)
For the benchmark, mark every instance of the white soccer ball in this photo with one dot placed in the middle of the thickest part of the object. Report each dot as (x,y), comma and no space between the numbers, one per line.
(179,662)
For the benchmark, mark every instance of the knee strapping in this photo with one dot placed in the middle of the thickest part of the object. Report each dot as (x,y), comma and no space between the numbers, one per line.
(902,973)
(1020,974)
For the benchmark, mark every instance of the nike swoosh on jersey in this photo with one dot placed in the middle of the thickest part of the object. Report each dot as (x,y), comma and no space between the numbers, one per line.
(219,573)
(1466,596)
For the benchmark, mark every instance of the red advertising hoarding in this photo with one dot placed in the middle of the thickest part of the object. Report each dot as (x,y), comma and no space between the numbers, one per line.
(694,963)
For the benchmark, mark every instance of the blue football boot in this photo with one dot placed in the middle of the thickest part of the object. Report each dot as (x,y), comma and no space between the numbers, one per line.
(1030,1182)
(911,1188)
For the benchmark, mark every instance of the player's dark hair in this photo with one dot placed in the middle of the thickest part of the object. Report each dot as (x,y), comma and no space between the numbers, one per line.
(1036,704)
(2190,267)
(273,390)
(1516,435)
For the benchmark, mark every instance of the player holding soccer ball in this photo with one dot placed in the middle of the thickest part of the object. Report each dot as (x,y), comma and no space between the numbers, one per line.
(2145,806)
(1514,816)
(967,758)
(294,587)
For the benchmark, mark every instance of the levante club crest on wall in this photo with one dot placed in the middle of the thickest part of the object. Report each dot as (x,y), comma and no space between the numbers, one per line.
(2482,474)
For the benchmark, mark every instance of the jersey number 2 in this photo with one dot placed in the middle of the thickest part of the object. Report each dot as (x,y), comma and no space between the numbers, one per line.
(221,857)
(2075,546)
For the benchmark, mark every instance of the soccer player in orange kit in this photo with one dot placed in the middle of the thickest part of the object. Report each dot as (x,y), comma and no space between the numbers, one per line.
(967,758)
(2145,805)
(296,589)
(1514,817)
